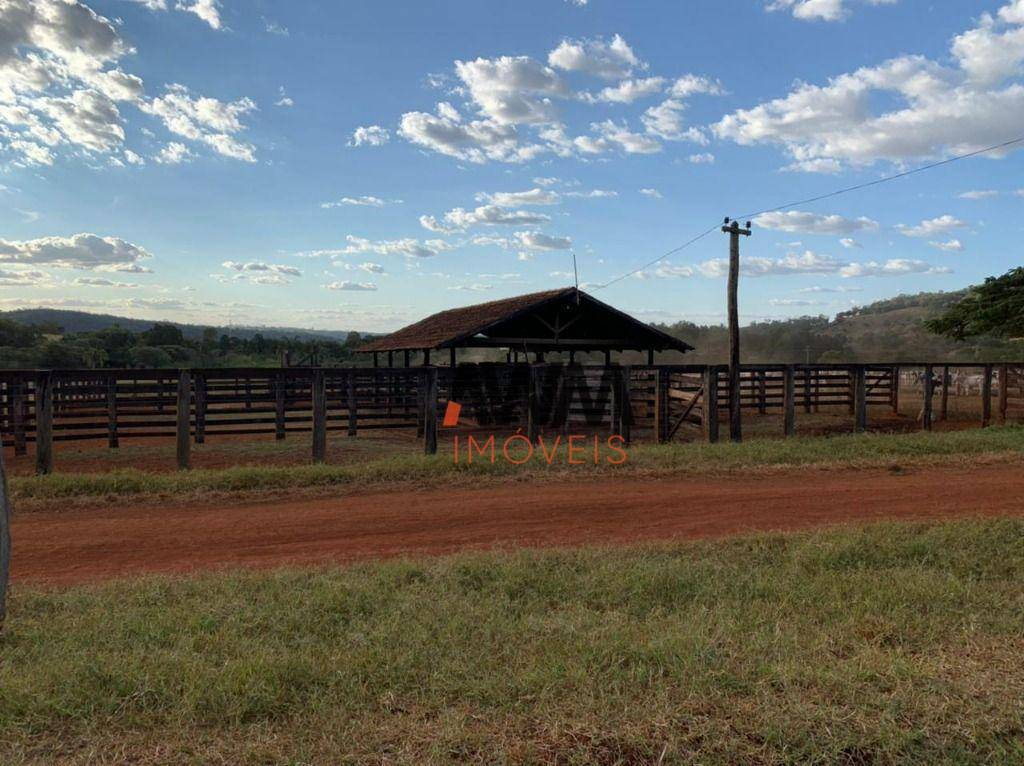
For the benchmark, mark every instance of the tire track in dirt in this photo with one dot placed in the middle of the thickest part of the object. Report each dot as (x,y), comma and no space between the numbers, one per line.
(64,547)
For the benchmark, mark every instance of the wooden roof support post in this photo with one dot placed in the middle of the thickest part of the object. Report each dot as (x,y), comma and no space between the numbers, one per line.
(452,358)
(430,411)
(533,406)
(944,396)
(650,357)
(112,440)
(351,405)
(895,393)
(280,405)
(661,381)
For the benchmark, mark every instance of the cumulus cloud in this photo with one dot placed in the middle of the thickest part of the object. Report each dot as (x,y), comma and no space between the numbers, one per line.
(653,193)
(173,154)
(818,10)
(807,262)
(412,248)
(510,90)
(260,266)
(979,194)
(103,282)
(79,251)
(207,120)
(703,158)
(939,109)
(460,219)
(849,243)
(475,141)
(612,60)
(18,277)
(892,268)
(933,227)
(949,246)
(356,286)
(207,10)
(535,240)
(366,201)
(627,91)
(536,196)
(369,135)
(813,223)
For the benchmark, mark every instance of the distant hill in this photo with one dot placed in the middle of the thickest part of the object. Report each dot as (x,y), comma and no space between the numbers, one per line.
(82,321)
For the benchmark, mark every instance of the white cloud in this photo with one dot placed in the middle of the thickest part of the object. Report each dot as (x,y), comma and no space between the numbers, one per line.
(818,10)
(356,286)
(692,85)
(476,287)
(703,158)
(546,181)
(102,282)
(933,227)
(354,201)
(949,246)
(612,135)
(819,289)
(461,219)
(260,266)
(813,223)
(592,194)
(19,277)
(173,154)
(979,194)
(368,266)
(892,268)
(609,60)
(274,28)
(628,91)
(666,121)
(932,109)
(207,10)
(535,196)
(207,120)
(807,262)
(80,251)
(412,248)
(850,243)
(476,141)
(794,302)
(535,240)
(654,193)
(283,98)
(369,135)
(509,90)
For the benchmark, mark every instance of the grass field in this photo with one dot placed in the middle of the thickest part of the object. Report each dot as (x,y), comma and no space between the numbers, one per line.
(874,645)
(894,451)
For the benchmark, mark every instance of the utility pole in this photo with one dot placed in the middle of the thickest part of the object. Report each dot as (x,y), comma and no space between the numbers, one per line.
(732,228)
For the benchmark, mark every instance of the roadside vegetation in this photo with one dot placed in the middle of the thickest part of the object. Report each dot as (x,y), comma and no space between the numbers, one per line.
(890,451)
(880,644)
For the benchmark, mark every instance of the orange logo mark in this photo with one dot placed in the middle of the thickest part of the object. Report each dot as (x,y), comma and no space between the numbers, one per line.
(451,415)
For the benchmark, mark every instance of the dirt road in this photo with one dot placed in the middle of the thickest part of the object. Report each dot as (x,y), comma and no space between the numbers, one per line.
(115,541)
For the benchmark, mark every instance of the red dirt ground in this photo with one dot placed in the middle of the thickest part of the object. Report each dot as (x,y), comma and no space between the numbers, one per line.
(65,547)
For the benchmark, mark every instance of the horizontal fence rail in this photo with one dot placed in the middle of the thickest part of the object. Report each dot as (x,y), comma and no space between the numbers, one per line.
(47,406)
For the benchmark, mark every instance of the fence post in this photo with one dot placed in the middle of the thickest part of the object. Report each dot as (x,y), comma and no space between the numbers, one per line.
(807,390)
(353,412)
(661,382)
(200,396)
(112,439)
(860,404)
(762,392)
(788,401)
(18,416)
(5,540)
(944,394)
(183,411)
(710,404)
(625,405)
(894,395)
(929,388)
(44,422)
(986,396)
(280,404)
(319,417)
(533,405)
(430,411)
(1004,387)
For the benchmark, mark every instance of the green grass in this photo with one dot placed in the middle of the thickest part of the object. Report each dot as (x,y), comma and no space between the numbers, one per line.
(885,644)
(864,451)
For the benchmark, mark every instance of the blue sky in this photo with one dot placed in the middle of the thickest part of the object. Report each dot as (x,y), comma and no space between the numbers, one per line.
(359,165)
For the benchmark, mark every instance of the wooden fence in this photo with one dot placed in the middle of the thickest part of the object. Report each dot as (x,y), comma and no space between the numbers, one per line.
(43,407)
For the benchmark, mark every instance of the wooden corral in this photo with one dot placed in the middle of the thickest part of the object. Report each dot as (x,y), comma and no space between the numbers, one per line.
(660,402)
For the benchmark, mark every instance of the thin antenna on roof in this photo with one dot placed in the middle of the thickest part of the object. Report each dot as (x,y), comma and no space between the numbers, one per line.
(576,277)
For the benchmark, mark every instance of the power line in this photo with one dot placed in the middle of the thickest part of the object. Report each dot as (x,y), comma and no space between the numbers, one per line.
(818,198)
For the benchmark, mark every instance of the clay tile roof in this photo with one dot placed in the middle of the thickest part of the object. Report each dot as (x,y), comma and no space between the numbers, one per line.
(448,328)
(454,323)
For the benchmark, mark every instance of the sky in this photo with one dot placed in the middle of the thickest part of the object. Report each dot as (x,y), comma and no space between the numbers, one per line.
(360,165)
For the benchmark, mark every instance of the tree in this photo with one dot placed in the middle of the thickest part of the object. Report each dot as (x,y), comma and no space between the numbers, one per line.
(993,308)
(163,334)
